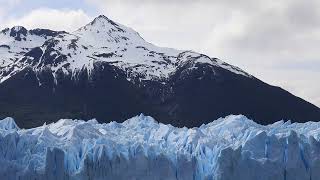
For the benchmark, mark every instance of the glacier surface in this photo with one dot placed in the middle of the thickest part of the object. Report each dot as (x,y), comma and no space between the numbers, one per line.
(229,148)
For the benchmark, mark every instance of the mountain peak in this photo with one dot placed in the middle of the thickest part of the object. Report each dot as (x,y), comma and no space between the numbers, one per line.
(18,32)
(18,28)
(105,30)
(102,23)
(103,20)
(101,17)
(15,30)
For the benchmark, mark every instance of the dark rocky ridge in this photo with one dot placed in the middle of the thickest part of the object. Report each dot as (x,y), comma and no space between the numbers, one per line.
(186,100)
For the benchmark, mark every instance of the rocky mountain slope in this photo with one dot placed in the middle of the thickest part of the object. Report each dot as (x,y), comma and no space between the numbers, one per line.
(107,71)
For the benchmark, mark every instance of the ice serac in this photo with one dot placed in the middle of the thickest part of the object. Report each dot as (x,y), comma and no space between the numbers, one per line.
(229,148)
(8,124)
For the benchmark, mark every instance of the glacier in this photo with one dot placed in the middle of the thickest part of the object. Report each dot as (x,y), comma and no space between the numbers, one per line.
(230,148)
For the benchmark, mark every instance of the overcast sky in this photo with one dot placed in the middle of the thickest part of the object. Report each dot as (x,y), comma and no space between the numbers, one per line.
(276,41)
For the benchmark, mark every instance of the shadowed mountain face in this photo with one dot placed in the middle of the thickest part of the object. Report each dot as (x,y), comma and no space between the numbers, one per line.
(106,71)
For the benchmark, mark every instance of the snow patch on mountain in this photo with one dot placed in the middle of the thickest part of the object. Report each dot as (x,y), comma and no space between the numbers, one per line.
(102,40)
(141,148)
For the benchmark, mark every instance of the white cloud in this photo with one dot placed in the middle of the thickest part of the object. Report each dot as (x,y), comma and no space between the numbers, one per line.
(6,6)
(66,19)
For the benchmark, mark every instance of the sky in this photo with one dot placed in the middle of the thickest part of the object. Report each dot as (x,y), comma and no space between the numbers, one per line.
(276,41)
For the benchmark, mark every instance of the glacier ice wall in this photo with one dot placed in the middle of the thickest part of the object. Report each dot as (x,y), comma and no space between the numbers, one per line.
(140,148)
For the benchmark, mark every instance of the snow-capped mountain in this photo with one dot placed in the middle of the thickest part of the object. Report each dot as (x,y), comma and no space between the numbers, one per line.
(102,40)
(17,41)
(229,148)
(107,71)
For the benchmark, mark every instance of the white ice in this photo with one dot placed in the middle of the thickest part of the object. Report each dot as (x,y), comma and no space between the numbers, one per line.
(229,148)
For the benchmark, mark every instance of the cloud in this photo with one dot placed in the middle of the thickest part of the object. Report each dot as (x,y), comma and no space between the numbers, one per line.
(63,19)
(6,6)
